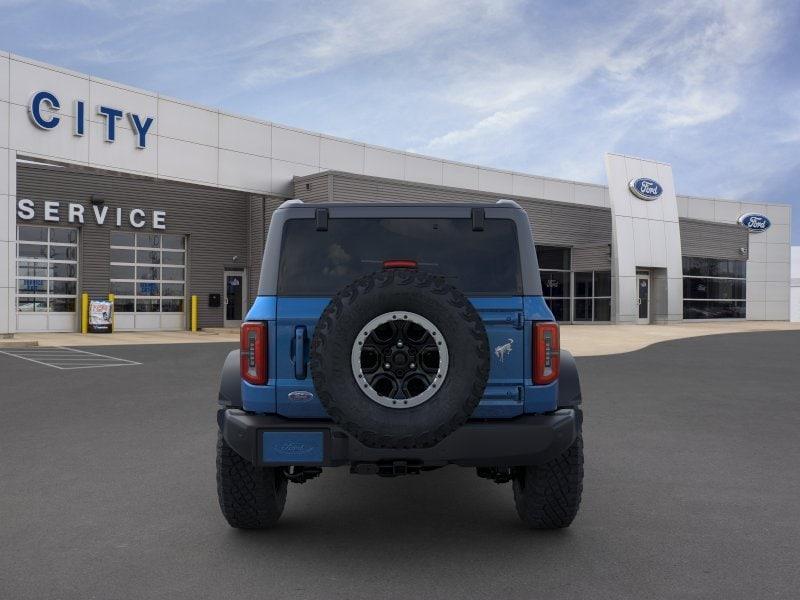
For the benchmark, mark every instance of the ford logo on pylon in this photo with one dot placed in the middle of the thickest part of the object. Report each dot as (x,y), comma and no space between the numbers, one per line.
(646,189)
(754,222)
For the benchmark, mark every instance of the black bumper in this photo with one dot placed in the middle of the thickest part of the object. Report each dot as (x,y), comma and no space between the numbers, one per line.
(525,440)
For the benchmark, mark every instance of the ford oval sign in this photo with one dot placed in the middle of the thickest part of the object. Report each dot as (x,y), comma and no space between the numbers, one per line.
(646,189)
(754,222)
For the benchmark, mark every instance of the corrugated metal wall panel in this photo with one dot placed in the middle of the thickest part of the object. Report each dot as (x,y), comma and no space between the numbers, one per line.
(313,188)
(553,222)
(591,258)
(255,244)
(713,240)
(214,219)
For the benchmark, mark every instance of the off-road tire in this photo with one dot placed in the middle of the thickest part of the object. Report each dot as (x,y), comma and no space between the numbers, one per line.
(250,497)
(450,311)
(548,496)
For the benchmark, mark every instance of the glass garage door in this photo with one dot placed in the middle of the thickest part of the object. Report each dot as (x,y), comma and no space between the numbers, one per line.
(148,279)
(47,278)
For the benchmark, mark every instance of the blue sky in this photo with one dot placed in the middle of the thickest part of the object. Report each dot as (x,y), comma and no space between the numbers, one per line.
(712,87)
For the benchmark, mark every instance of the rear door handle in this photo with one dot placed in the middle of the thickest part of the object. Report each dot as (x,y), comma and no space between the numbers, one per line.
(300,370)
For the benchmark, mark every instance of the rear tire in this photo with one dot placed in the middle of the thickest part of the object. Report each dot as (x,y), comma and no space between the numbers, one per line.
(250,497)
(548,496)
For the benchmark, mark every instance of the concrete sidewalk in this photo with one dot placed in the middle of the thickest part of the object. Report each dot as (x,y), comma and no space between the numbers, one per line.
(121,338)
(581,340)
(597,340)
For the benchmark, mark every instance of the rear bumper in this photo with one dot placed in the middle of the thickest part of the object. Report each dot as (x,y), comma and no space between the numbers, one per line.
(525,440)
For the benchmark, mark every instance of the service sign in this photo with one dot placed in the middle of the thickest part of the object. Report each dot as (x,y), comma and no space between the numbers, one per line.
(754,222)
(645,189)
(100,316)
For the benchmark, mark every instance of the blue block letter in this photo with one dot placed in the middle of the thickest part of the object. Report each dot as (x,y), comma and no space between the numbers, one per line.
(80,118)
(141,129)
(35,109)
(111,115)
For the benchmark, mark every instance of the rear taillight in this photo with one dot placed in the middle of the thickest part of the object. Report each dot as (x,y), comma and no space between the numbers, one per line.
(399,264)
(253,349)
(546,352)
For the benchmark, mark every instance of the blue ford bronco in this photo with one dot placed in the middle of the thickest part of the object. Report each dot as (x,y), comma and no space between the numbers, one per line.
(395,339)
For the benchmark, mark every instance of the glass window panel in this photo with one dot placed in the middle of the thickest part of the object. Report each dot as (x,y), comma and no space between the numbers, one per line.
(123,288)
(172,289)
(123,256)
(123,304)
(147,289)
(122,272)
(173,258)
(32,286)
(717,289)
(148,240)
(62,304)
(122,238)
(32,251)
(147,273)
(25,304)
(602,283)
(63,288)
(172,273)
(583,285)
(711,309)
(602,309)
(583,310)
(559,308)
(32,234)
(479,263)
(555,284)
(174,305)
(147,306)
(714,267)
(148,257)
(64,252)
(174,242)
(551,257)
(63,270)
(32,269)
(64,235)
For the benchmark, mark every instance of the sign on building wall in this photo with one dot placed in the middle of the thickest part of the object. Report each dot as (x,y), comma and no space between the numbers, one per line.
(100,214)
(645,189)
(754,222)
(44,107)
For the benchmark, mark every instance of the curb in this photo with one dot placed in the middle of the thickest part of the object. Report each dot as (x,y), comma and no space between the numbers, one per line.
(18,344)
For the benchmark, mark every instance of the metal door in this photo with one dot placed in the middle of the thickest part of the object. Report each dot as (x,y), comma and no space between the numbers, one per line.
(234,298)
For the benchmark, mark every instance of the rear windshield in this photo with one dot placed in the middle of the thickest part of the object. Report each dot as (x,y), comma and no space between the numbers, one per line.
(320,263)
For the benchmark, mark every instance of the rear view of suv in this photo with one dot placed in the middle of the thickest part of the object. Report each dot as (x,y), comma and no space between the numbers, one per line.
(395,339)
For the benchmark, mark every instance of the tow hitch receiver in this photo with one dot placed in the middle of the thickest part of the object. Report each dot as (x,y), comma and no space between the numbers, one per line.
(392,469)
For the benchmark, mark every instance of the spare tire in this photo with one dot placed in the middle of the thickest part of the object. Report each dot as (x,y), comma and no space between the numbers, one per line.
(400,359)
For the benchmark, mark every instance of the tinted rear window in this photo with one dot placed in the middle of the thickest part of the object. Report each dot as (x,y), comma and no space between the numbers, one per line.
(320,263)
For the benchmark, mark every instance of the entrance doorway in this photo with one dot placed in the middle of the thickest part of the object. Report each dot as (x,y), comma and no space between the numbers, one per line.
(234,298)
(643,291)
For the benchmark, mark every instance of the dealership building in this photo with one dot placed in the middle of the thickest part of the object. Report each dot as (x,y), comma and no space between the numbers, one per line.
(107,189)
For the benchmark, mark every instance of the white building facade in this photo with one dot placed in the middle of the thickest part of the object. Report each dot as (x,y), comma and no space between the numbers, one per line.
(109,189)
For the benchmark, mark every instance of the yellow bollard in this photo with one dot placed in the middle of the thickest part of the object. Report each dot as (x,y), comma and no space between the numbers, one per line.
(111,298)
(84,312)
(194,313)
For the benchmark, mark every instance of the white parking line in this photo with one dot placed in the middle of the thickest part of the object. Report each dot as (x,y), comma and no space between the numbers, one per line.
(68,359)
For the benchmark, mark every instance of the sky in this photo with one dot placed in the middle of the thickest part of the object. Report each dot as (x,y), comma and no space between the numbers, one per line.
(711,87)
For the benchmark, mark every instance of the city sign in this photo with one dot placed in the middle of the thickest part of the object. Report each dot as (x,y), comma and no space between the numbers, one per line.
(44,106)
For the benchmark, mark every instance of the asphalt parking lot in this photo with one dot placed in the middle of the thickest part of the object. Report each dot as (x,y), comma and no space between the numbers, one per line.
(692,490)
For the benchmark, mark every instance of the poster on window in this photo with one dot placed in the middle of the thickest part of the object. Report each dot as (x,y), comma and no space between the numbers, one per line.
(100,315)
